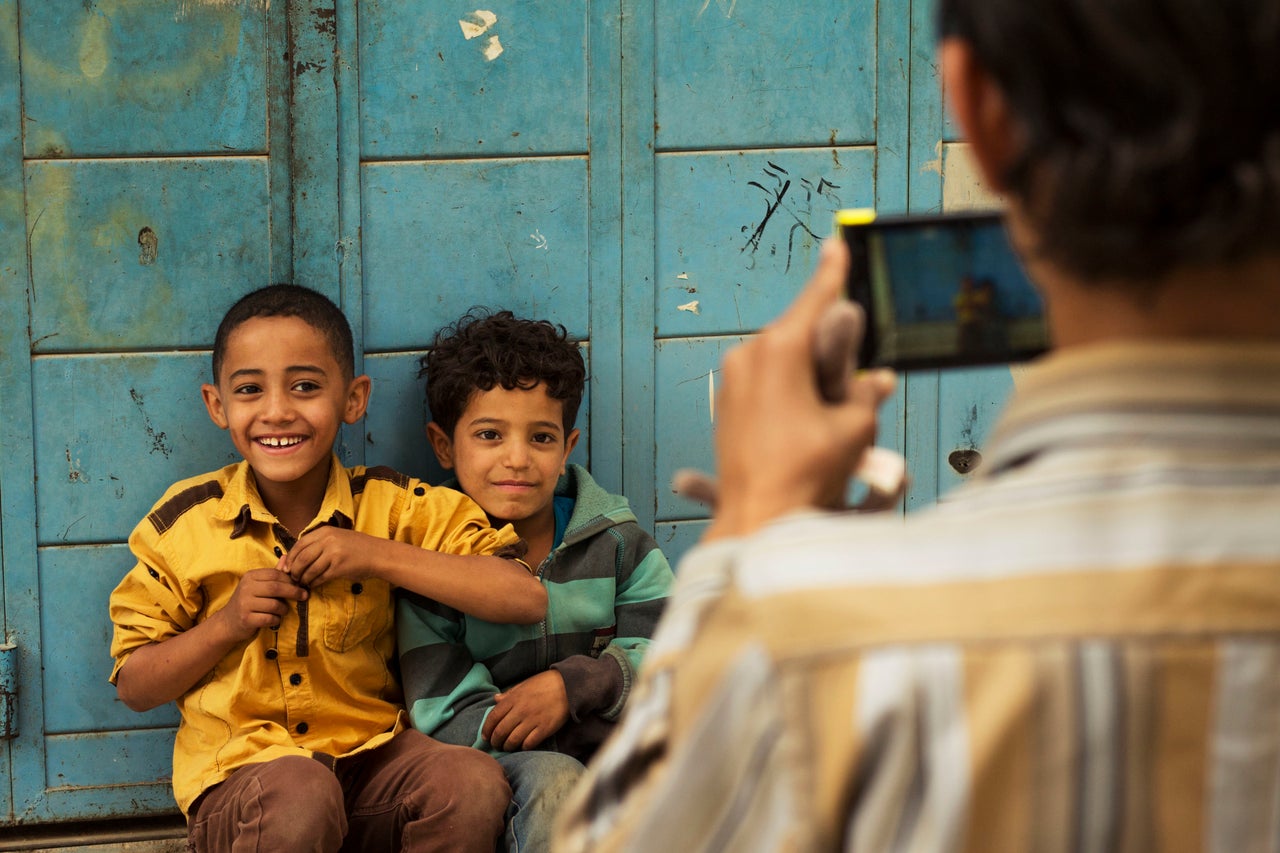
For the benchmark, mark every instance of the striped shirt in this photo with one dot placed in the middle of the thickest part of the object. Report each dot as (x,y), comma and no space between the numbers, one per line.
(1078,651)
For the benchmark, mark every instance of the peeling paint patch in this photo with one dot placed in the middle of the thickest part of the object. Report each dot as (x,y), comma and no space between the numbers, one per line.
(726,6)
(159,441)
(711,394)
(149,245)
(934,165)
(186,7)
(539,241)
(74,474)
(95,50)
(477,23)
(691,307)
(684,276)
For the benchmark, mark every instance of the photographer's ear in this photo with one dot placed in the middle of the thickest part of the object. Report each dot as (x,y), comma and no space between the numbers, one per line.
(981,109)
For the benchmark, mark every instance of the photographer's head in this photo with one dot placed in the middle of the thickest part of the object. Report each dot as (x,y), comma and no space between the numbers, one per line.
(1134,138)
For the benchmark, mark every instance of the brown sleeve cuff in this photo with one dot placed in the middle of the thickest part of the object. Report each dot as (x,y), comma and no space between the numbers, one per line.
(591,684)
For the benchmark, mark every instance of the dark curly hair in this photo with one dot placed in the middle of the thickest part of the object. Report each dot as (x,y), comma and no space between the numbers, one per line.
(484,349)
(1151,131)
(290,300)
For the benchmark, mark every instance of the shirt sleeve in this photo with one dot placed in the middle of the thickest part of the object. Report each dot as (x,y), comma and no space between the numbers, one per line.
(448,694)
(151,603)
(603,685)
(448,521)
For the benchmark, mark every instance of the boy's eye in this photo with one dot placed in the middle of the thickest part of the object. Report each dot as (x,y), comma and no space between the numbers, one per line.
(544,438)
(306,386)
(246,389)
(488,435)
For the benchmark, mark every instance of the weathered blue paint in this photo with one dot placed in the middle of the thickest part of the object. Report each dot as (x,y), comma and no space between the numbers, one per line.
(117,78)
(17,475)
(8,691)
(514,85)
(440,237)
(121,260)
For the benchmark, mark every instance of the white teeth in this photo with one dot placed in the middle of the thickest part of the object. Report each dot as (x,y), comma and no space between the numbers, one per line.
(272,441)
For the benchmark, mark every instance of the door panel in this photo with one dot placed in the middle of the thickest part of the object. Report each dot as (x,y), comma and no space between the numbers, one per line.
(733,228)
(142,77)
(507,79)
(112,433)
(441,237)
(140,253)
(764,73)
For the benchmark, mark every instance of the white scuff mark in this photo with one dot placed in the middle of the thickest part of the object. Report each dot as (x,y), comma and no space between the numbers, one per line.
(492,48)
(186,7)
(934,165)
(477,23)
(539,241)
(691,307)
(711,394)
(726,6)
(684,276)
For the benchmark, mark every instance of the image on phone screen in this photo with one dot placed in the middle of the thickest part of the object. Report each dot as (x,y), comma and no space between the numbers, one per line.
(941,291)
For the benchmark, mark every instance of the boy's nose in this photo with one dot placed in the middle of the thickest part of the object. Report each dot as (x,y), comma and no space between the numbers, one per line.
(517,455)
(278,408)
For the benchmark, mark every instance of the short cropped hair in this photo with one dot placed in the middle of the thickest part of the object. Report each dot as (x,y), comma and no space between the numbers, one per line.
(290,300)
(483,350)
(1150,128)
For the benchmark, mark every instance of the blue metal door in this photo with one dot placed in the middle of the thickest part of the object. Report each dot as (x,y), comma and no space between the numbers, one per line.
(654,174)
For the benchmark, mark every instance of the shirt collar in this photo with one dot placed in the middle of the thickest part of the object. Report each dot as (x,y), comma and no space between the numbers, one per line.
(241,503)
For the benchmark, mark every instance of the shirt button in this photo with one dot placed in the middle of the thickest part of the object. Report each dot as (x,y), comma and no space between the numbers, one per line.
(419,491)
(357,588)
(295,680)
(272,654)
(302,728)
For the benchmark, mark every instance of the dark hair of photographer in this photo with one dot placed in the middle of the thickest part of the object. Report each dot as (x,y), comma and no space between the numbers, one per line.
(1148,131)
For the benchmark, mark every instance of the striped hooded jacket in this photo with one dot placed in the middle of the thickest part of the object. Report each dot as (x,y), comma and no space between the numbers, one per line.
(606,584)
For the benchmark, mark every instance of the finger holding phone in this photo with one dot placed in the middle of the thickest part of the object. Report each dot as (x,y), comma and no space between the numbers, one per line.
(783,445)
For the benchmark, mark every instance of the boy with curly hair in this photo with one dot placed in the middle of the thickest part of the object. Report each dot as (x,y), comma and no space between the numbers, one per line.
(504,394)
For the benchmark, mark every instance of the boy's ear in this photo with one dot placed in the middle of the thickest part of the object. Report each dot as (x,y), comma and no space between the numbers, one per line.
(213,402)
(570,442)
(442,444)
(357,399)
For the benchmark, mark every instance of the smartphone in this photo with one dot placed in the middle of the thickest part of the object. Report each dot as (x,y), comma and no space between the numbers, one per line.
(940,291)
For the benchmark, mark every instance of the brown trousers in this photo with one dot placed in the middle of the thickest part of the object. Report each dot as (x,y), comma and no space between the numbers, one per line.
(412,794)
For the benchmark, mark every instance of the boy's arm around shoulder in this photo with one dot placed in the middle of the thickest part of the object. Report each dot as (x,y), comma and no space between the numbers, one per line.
(440,546)
(643,583)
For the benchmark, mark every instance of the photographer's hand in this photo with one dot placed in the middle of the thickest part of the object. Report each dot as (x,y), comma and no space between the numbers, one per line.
(784,441)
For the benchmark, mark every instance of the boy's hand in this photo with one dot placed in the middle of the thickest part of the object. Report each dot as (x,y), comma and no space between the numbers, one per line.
(327,553)
(260,601)
(528,713)
(810,452)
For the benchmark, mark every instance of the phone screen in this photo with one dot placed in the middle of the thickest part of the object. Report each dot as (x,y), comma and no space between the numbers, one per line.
(940,291)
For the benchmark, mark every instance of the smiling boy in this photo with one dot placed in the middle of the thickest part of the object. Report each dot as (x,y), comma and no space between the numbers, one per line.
(504,393)
(261,603)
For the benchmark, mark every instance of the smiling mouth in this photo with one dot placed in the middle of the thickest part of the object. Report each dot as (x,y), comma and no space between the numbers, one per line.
(514,484)
(280,441)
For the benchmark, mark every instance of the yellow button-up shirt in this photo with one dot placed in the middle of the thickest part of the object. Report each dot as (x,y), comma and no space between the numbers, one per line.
(323,682)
